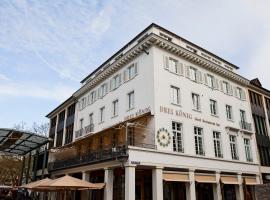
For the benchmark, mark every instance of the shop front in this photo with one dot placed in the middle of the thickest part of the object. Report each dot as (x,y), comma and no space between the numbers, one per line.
(174,185)
(204,186)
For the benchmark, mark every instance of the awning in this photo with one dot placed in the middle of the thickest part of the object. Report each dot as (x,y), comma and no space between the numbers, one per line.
(205,178)
(178,177)
(250,181)
(36,183)
(230,180)
(20,142)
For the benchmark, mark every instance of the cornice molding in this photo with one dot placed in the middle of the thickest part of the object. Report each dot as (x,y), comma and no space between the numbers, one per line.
(155,40)
(199,60)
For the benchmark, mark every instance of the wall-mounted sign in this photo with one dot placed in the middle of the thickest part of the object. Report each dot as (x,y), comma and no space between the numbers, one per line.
(163,137)
(206,121)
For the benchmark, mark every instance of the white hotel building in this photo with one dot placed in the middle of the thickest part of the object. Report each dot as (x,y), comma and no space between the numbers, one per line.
(161,119)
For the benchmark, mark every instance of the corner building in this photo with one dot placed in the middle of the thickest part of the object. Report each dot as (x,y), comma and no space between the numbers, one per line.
(161,119)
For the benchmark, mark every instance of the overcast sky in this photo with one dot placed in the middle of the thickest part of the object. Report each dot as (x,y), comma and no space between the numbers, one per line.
(48,47)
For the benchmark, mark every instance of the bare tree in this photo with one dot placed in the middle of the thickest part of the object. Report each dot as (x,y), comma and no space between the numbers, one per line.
(38,128)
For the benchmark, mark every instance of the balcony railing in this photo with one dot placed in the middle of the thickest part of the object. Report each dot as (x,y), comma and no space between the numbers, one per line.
(89,158)
(89,128)
(245,125)
(79,133)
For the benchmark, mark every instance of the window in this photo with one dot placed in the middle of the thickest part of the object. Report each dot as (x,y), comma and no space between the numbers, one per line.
(210,80)
(196,101)
(229,112)
(101,114)
(92,97)
(175,95)
(226,87)
(177,137)
(193,73)
(248,149)
(115,82)
(243,116)
(198,134)
(102,90)
(233,147)
(131,71)
(173,65)
(83,103)
(59,138)
(217,144)
(69,134)
(115,108)
(81,123)
(238,92)
(71,110)
(131,103)
(91,119)
(61,116)
(213,107)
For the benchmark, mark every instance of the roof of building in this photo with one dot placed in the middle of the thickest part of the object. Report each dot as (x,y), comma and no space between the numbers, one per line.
(68,101)
(256,82)
(140,34)
(20,142)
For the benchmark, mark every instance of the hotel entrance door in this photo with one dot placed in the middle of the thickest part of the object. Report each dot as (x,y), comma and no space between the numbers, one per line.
(229,192)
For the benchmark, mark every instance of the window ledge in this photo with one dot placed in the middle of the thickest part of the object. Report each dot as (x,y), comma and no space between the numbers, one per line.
(129,109)
(175,104)
(214,115)
(199,111)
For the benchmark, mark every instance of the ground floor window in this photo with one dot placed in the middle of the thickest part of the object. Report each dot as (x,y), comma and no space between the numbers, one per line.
(204,191)
(174,191)
(229,192)
(119,184)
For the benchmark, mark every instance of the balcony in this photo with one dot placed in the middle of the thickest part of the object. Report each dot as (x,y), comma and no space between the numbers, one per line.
(245,126)
(89,158)
(106,145)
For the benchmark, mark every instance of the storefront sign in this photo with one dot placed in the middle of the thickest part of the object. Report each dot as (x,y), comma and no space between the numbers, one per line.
(206,121)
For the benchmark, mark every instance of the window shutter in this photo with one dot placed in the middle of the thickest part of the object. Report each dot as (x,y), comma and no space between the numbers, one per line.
(125,76)
(244,95)
(215,84)
(181,68)
(230,89)
(120,79)
(187,71)
(136,67)
(199,76)
(221,85)
(111,84)
(235,91)
(166,62)
(99,92)
(205,79)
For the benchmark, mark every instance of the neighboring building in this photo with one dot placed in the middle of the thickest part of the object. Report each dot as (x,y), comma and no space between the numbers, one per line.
(161,119)
(260,105)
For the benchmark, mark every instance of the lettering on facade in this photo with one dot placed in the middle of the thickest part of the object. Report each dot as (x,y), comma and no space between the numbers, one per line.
(178,113)
(186,115)
(138,113)
(135,162)
(206,121)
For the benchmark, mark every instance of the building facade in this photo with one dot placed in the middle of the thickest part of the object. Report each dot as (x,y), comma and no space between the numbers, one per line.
(260,106)
(161,119)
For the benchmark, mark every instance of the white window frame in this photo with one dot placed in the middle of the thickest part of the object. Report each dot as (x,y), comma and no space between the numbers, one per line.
(210,80)
(229,112)
(102,114)
(131,100)
(248,149)
(196,102)
(116,82)
(175,95)
(177,130)
(213,107)
(131,71)
(92,97)
(173,65)
(115,108)
(193,74)
(225,86)
(81,123)
(233,147)
(217,144)
(199,142)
